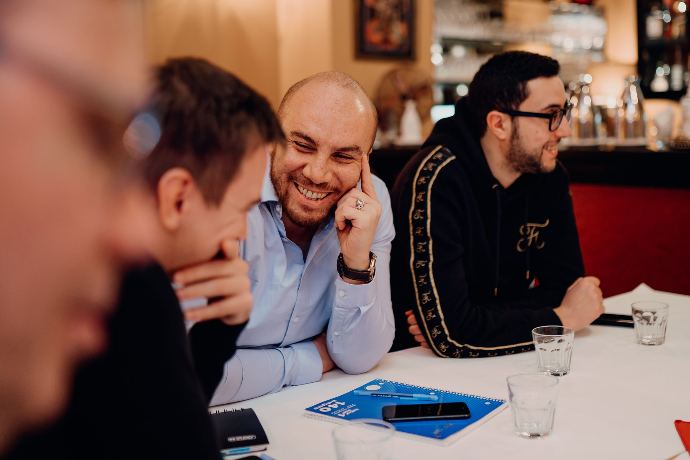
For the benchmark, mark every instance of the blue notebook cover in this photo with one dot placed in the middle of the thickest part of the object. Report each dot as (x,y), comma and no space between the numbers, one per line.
(348,407)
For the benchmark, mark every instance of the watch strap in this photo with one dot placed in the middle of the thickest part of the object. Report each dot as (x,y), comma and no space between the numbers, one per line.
(357,275)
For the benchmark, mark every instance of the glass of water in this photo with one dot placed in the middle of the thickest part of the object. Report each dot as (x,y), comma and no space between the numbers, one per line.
(650,320)
(364,439)
(554,345)
(533,403)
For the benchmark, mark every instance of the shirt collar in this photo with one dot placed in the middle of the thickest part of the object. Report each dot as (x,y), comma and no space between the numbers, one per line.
(268,192)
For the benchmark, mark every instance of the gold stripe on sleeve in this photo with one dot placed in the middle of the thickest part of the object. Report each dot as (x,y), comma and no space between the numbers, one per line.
(421,264)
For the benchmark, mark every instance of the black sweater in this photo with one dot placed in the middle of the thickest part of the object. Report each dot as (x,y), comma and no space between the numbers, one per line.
(468,253)
(142,399)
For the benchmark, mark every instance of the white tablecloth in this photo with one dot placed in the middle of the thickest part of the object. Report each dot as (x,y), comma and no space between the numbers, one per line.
(619,401)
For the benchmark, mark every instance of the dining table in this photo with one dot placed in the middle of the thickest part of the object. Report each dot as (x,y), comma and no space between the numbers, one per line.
(619,400)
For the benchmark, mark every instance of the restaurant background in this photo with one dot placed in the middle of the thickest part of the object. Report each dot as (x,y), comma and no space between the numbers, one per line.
(631,202)
(274,43)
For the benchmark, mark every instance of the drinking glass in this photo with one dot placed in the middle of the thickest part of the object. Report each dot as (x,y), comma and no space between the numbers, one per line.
(364,439)
(533,403)
(650,319)
(554,345)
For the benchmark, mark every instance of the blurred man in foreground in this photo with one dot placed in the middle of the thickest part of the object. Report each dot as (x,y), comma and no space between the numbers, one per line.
(71,76)
(205,174)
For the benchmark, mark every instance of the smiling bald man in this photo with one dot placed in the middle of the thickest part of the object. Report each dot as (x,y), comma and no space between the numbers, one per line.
(318,248)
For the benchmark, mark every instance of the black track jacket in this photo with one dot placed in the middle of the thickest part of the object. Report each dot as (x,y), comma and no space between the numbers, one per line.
(480,265)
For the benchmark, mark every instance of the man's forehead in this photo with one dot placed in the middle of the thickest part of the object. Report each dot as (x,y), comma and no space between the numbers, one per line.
(544,92)
(329,93)
(327,112)
(327,118)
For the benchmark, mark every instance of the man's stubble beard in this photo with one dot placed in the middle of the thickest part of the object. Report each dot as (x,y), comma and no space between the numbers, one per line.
(520,159)
(300,219)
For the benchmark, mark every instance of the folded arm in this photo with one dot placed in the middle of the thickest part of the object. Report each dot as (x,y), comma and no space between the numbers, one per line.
(258,371)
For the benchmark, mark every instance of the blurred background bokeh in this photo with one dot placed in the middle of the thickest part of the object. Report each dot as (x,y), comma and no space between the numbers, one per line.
(624,65)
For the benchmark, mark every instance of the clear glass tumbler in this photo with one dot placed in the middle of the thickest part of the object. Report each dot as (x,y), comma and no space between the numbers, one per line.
(650,320)
(554,345)
(533,403)
(364,439)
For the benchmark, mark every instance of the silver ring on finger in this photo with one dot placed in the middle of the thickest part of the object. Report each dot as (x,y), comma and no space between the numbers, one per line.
(359,205)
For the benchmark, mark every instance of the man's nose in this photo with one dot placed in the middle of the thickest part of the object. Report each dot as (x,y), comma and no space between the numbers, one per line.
(564,129)
(317,169)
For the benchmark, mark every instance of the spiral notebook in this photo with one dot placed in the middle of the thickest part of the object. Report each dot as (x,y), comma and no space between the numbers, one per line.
(349,406)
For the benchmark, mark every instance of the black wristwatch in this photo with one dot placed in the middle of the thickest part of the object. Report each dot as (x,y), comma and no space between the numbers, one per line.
(357,275)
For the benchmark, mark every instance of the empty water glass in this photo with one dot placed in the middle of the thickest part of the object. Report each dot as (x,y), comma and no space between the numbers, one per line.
(533,403)
(554,345)
(650,319)
(364,439)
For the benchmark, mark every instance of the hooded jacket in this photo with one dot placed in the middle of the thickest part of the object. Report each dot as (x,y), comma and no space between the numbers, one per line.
(478,264)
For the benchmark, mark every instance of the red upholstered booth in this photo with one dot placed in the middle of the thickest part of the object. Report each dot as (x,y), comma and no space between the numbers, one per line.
(631,235)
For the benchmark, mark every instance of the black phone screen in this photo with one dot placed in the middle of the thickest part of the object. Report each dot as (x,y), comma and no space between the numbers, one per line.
(410,412)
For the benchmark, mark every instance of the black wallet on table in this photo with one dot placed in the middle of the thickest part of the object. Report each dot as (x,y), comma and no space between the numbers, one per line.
(239,431)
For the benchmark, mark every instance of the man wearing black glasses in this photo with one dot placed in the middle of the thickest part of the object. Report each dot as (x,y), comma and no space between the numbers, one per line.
(487,246)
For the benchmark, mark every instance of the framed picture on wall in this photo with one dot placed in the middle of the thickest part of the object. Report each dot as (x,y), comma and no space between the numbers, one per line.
(385,29)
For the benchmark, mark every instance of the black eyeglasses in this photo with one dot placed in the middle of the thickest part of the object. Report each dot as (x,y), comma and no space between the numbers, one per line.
(555,118)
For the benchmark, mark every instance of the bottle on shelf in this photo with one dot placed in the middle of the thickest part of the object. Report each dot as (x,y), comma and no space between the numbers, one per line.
(633,120)
(586,122)
(677,71)
(660,82)
(410,125)
(679,20)
(655,23)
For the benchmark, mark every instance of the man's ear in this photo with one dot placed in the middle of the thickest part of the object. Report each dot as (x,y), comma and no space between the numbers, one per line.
(175,189)
(499,124)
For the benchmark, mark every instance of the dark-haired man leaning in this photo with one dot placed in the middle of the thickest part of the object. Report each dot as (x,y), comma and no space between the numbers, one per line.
(143,400)
(487,245)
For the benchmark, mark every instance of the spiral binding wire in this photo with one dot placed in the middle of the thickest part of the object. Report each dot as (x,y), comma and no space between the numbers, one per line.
(407,385)
(225,410)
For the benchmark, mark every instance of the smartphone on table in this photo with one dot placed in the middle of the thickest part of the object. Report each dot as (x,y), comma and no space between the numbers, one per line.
(418,412)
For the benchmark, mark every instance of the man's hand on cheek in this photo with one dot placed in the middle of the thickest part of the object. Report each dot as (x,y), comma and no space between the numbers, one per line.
(356,225)
(223,282)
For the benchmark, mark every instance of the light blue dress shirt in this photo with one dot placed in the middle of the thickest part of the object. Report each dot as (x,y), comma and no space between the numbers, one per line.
(295,300)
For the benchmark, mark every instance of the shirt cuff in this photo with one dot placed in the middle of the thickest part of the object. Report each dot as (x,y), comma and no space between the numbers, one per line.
(351,296)
(310,366)
(351,302)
